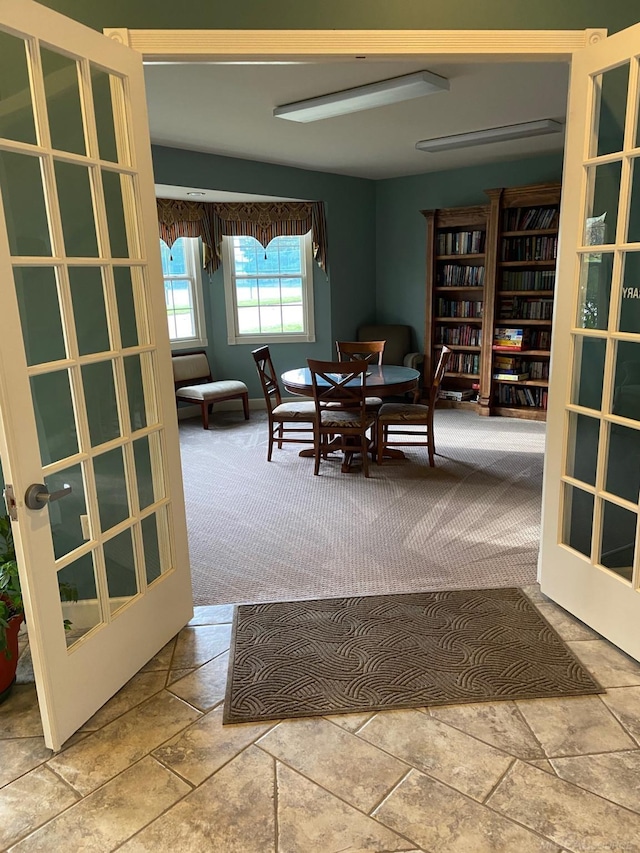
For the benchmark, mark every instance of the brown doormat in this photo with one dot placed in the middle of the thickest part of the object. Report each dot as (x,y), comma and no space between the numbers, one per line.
(342,655)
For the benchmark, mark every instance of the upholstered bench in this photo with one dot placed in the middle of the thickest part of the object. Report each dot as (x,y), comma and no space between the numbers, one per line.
(194,384)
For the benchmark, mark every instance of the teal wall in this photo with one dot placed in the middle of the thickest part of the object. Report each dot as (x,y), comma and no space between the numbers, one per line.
(401,228)
(353,14)
(343,300)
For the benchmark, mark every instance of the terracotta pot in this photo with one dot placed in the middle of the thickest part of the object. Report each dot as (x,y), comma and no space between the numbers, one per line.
(9,665)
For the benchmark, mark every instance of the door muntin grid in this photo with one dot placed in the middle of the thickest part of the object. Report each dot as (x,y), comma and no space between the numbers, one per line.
(69,192)
(601,480)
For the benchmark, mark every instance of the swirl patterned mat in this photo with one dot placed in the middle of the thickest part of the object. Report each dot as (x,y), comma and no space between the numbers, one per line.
(344,655)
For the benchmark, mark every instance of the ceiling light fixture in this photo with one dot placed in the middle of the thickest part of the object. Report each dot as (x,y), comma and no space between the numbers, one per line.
(196,193)
(491,134)
(364,97)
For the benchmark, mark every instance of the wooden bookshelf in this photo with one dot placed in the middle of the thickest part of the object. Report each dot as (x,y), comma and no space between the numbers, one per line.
(495,263)
(455,315)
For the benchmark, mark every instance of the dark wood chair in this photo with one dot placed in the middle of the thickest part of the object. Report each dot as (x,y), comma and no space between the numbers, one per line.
(413,421)
(194,384)
(342,418)
(369,351)
(281,414)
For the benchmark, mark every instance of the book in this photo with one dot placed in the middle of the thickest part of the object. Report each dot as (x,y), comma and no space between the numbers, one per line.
(510,377)
(458,396)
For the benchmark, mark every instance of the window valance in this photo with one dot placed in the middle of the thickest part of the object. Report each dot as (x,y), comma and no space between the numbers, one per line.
(263,220)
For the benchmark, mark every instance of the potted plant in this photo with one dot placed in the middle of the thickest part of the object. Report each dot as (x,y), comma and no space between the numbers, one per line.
(11,609)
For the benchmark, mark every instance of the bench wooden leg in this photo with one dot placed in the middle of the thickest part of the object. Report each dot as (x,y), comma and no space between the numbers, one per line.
(245,406)
(205,415)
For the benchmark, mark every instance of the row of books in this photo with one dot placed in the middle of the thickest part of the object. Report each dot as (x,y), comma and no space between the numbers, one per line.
(462,336)
(460,242)
(514,307)
(521,339)
(529,248)
(528,279)
(506,395)
(460,275)
(458,308)
(464,362)
(530,218)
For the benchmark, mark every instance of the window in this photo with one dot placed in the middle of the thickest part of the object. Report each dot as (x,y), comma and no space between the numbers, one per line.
(183,292)
(269,292)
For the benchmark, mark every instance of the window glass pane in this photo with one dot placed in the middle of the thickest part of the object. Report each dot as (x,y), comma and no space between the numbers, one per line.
(121,570)
(101,84)
(89,310)
(126,306)
(633,231)
(79,598)
(100,397)
(37,293)
(613,107)
(595,290)
(67,513)
(16,108)
(600,225)
(578,519)
(135,392)
(63,101)
(173,259)
(111,488)
(588,371)
(617,548)
(112,183)
(76,210)
(180,309)
(153,565)
(23,201)
(582,451)
(245,255)
(626,382)
(147,454)
(55,420)
(623,462)
(630,307)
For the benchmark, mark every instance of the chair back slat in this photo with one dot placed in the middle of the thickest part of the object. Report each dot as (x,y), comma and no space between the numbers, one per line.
(334,382)
(441,369)
(268,377)
(369,351)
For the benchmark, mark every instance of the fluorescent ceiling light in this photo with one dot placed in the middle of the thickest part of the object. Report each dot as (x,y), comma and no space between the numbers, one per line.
(364,97)
(491,134)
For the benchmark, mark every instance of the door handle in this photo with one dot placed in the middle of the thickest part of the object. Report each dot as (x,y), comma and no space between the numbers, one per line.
(38,496)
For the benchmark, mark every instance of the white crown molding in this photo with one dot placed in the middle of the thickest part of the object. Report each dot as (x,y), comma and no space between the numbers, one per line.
(333,45)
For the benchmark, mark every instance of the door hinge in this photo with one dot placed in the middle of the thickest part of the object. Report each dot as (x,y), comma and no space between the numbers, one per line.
(10,502)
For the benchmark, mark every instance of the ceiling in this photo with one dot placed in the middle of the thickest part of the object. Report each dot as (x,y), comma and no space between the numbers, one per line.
(228,109)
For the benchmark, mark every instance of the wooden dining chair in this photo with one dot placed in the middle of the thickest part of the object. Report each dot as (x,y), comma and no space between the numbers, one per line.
(342,419)
(369,351)
(412,421)
(280,414)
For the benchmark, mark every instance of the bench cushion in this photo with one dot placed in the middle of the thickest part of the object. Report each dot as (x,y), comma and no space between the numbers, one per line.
(212,390)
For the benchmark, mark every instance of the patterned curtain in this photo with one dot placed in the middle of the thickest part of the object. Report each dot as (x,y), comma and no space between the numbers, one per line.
(262,220)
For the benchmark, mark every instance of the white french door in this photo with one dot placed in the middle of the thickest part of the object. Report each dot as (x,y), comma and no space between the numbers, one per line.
(88,430)
(590,556)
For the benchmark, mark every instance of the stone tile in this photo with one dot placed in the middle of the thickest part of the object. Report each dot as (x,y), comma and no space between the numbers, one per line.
(176,674)
(624,702)
(342,763)
(20,713)
(350,722)
(576,725)
(114,748)
(439,750)
(19,755)
(459,824)
(31,801)
(204,747)
(565,624)
(499,724)
(532,591)
(163,659)
(614,776)
(232,812)
(204,687)
(135,691)
(607,664)
(568,815)
(196,646)
(312,820)
(112,814)
(212,614)
(543,764)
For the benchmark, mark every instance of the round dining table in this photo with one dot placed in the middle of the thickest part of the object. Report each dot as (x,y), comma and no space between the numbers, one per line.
(383,380)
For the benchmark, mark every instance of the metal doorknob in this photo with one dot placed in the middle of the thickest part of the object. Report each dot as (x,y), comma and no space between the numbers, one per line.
(38,496)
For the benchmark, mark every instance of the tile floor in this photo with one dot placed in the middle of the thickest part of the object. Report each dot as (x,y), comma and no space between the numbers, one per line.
(154,769)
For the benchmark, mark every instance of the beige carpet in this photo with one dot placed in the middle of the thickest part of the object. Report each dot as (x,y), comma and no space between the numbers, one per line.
(261,531)
(354,655)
